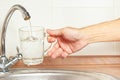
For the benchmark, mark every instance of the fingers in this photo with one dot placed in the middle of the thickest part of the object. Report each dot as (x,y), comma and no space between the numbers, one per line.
(64,54)
(51,39)
(64,46)
(50,52)
(53,34)
(57,32)
(56,51)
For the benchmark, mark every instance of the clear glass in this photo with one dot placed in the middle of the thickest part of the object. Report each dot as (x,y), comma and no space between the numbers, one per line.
(32,44)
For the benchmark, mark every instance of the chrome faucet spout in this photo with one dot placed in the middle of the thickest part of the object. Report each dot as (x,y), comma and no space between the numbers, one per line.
(26,16)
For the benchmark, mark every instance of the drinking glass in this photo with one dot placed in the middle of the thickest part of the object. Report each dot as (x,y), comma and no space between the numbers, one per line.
(32,41)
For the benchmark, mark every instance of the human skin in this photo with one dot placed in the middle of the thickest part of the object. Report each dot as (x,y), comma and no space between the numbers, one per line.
(69,40)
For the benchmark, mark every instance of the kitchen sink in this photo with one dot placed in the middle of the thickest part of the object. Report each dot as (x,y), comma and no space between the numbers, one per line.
(46,74)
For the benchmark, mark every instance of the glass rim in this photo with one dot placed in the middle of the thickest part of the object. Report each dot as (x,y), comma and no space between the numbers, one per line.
(34,28)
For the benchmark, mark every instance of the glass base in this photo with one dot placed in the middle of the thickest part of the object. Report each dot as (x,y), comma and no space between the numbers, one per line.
(29,61)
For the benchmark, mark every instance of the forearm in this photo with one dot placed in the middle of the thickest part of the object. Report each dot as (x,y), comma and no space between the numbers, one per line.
(107,31)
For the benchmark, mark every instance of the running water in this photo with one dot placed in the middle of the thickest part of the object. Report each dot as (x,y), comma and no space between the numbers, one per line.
(30,28)
(30,31)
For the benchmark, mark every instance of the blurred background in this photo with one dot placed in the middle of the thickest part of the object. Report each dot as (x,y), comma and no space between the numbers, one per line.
(54,14)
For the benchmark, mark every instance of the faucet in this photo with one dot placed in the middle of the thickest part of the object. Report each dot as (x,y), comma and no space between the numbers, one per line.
(5,63)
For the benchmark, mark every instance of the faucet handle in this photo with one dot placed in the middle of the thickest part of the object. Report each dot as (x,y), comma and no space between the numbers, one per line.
(19,55)
(17,48)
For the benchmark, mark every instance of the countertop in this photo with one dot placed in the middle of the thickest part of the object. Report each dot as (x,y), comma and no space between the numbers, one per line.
(109,64)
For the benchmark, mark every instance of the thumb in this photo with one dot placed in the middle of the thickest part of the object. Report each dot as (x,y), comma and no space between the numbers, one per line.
(56,32)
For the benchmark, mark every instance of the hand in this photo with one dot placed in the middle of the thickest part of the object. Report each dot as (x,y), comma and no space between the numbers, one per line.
(69,40)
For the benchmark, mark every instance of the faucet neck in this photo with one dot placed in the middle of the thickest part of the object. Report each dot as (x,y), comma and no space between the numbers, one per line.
(26,16)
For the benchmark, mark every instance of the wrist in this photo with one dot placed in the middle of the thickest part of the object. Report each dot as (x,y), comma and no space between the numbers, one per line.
(87,35)
(92,34)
